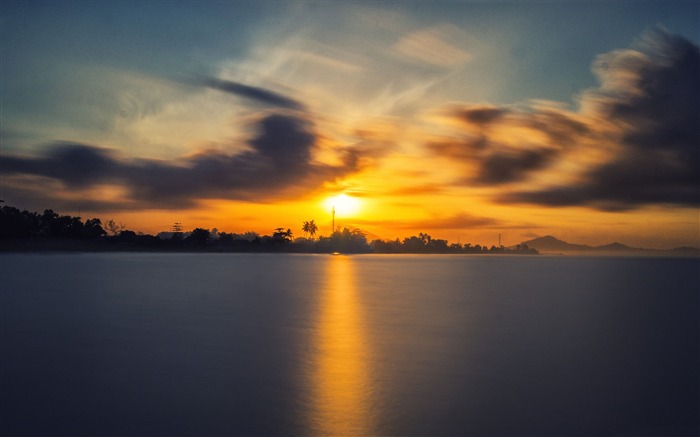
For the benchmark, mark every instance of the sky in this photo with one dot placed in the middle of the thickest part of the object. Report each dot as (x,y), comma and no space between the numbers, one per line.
(462,119)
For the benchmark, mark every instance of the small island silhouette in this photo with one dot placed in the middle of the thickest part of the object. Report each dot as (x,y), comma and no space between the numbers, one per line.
(25,231)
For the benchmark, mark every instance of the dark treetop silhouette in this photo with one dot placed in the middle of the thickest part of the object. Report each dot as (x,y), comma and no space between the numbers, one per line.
(28,231)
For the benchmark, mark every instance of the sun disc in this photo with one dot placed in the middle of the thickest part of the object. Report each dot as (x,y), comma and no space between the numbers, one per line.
(344,205)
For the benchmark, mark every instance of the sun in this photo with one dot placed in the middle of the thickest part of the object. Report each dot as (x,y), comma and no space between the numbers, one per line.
(344,205)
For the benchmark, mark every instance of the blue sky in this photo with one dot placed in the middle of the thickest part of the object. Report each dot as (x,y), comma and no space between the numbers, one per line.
(378,84)
(54,54)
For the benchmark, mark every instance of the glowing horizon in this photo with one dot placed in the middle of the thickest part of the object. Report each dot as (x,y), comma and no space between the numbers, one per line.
(413,116)
(343,205)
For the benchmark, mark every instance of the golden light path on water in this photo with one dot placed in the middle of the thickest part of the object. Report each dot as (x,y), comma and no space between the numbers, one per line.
(339,373)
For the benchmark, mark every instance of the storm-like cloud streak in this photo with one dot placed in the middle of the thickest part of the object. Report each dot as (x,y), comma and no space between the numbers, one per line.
(260,95)
(507,144)
(279,163)
(646,113)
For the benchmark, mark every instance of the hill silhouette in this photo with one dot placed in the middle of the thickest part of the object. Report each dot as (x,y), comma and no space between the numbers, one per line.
(550,244)
(616,247)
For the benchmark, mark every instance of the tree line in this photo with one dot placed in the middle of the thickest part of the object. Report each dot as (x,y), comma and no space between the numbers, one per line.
(24,230)
(424,243)
(16,224)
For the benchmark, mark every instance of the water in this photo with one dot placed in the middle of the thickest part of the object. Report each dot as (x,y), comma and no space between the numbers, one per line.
(274,344)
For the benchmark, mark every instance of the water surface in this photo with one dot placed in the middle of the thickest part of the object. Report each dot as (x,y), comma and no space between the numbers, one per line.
(275,344)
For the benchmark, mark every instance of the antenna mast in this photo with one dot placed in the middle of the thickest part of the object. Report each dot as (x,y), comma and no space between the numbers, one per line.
(333,221)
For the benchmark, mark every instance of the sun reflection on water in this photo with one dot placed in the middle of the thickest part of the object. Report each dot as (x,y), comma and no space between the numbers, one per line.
(339,373)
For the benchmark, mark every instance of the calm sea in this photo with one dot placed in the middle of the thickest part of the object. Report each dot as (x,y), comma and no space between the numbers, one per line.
(311,345)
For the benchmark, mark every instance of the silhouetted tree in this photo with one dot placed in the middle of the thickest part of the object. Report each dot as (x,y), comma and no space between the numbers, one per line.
(437,246)
(19,225)
(282,236)
(414,244)
(225,238)
(126,236)
(93,228)
(113,228)
(198,236)
(391,246)
(310,228)
(345,241)
(249,236)
(425,238)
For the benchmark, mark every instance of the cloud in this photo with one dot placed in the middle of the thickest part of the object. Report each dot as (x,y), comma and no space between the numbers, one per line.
(503,145)
(644,115)
(436,46)
(481,114)
(42,193)
(259,95)
(75,164)
(505,167)
(412,190)
(279,165)
(457,221)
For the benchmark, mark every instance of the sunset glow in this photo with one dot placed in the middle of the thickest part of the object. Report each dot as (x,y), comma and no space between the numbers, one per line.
(350,218)
(463,120)
(344,205)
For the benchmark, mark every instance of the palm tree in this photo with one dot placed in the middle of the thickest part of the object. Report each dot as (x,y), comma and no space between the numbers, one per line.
(310,228)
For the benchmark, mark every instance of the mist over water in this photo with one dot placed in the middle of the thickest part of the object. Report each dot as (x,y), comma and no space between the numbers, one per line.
(311,345)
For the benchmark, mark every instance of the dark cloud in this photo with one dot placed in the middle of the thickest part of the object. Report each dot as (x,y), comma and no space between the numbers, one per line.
(285,140)
(498,159)
(481,114)
(259,95)
(37,194)
(76,164)
(279,164)
(647,110)
(500,168)
(624,184)
(653,95)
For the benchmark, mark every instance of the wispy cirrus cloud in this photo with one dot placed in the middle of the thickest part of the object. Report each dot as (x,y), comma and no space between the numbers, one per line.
(437,46)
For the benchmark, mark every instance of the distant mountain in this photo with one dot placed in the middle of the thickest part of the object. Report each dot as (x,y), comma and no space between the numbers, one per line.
(686,251)
(617,247)
(550,244)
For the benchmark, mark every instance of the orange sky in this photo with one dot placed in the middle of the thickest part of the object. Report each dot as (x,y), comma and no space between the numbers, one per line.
(461,120)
